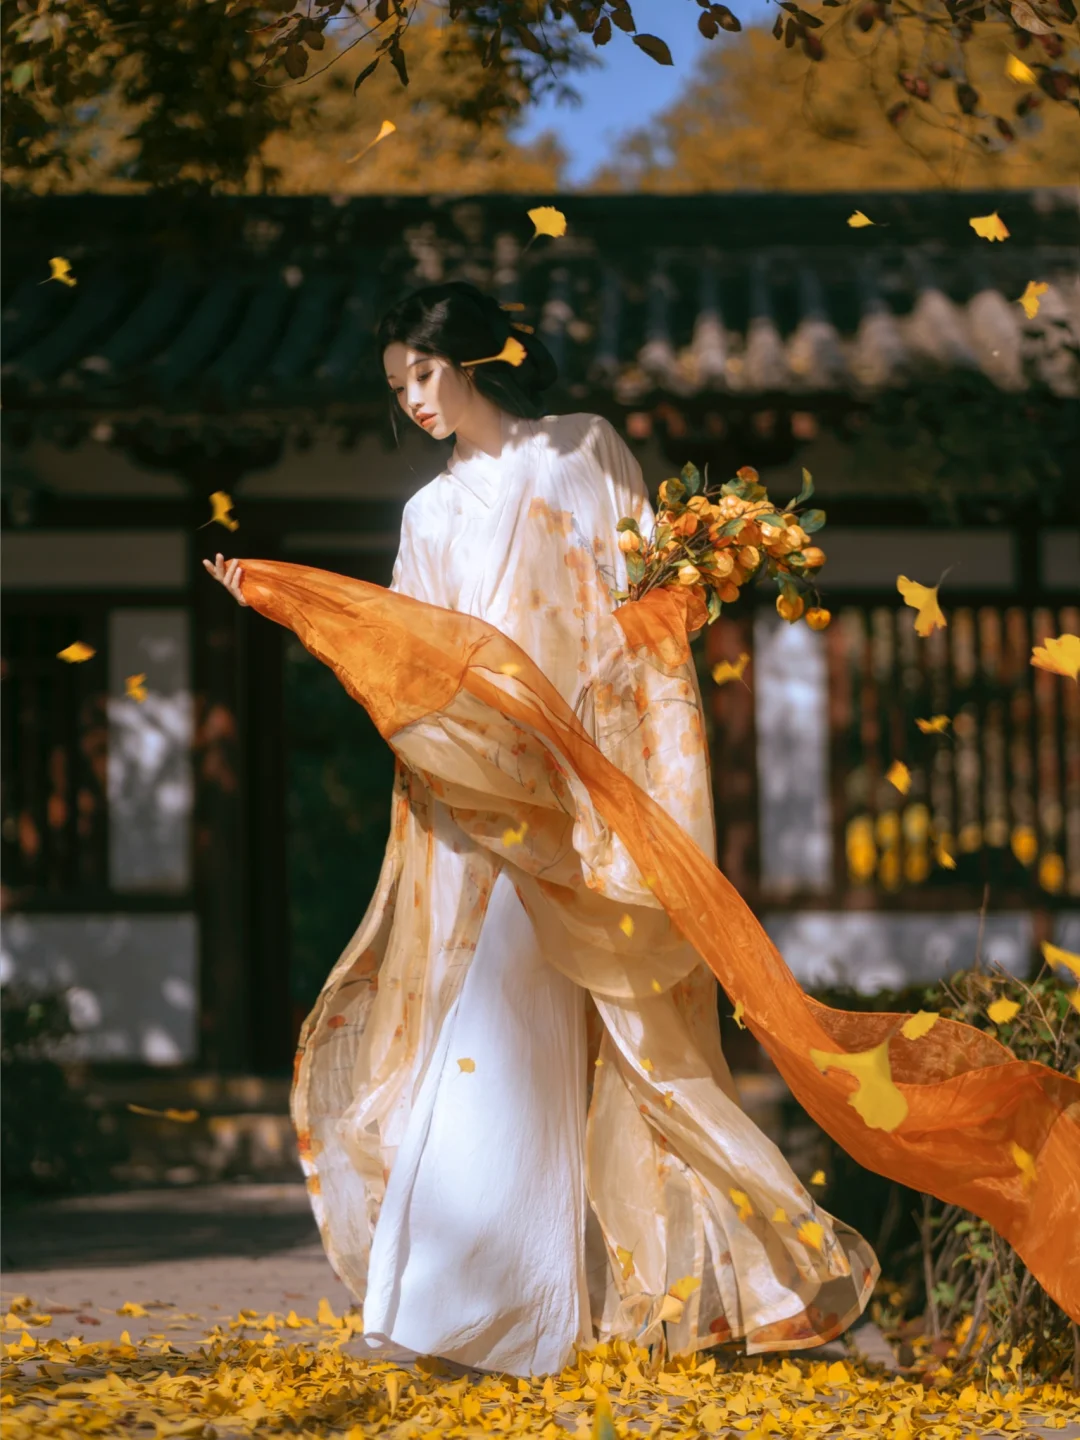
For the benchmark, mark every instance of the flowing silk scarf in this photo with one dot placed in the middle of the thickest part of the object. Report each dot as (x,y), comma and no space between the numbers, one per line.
(949,1110)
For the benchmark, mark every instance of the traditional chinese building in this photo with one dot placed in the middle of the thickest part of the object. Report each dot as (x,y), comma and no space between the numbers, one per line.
(189,864)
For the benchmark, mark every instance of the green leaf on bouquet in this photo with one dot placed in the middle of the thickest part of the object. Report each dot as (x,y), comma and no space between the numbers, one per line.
(732,527)
(812,520)
(635,569)
(774,521)
(663,535)
(628,523)
(712,605)
(804,494)
(691,478)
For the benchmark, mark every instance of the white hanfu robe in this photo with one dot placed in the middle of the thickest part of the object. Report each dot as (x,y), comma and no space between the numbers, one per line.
(496,1189)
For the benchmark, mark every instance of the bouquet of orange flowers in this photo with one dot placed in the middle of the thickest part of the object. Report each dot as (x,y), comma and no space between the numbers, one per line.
(713,542)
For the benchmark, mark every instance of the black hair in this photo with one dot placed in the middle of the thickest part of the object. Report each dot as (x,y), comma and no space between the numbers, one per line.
(458,322)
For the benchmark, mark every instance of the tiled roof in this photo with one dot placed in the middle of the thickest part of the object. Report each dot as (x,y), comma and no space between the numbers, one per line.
(252,304)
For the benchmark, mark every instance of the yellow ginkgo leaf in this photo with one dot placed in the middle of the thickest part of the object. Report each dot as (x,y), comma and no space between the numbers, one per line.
(1061,656)
(76,653)
(1033,292)
(626,925)
(916,1026)
(779,1216)
(392,1380)
(838,1373)
(515,837)
(659,989)
(548,221)
(727,671)
(923,599)
(131,1307)
(626,1260)
(669,1099)
(936,725)
(989,227)
(899,776)
(220,506)
(684,1288)
(603,1426)
(1018,71)
(741,1201)
(512,353)
(818,1177)
(875,1097)
(326,1315)
(1025,1163)
(944,856)
(811,1233)
(386,128)
(1055,956)
(466,1065)
(60,269)
(858,221)
(1002,1011)
(182,1117)
(646,1064)
(739,1012)
(135,687)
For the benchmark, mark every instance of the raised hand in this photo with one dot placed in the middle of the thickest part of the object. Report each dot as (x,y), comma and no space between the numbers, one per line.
(228,573)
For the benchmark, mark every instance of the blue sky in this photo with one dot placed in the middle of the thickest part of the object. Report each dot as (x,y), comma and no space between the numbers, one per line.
(631,88)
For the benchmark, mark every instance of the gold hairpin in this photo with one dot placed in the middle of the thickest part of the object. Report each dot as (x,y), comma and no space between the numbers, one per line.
(512,305)
(512,353)
(527,328)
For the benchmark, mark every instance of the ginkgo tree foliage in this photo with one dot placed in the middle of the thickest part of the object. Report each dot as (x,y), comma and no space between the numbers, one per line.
(207,73)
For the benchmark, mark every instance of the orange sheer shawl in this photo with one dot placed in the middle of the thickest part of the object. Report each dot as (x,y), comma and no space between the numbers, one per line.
(956,1101)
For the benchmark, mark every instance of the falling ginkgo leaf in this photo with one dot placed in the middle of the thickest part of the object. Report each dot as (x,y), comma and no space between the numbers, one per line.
(779,1216)
(899,776)
(1018,71)
(220,506)
(626,1260)
(60,269)
(1033,292)
(657,987)
(727,670)
(1061,656)
(669,1100)
(386,128)
(944,857)
(859,221)
(626,925)
(742,1204)
(811,1233)
(989,227)
(548,221)
(916,1026)
(818,1177)
(515,837)
(923,599)
(135,687)
(737,1015)
(512,353)
(936,725)
(1054,956)
(1025,1163)
(1002,1011)
(326,1315)
(76,653)
(646,1064)
(875,1097)
(183,1117)
(131,1307)
(466,1066)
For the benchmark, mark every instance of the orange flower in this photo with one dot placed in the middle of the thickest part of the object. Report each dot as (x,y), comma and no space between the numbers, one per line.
(750,534)
(698,503)
(727,592)
(817,618)
(814,557)
(685,525)
(748,474)
(749,557)
(628,541)
(723,562)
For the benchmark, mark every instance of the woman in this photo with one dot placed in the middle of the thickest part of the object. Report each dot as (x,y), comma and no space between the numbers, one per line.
(487,1245)
(518,1127)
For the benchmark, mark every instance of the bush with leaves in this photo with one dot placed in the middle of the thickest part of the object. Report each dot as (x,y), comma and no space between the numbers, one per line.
(51,1138)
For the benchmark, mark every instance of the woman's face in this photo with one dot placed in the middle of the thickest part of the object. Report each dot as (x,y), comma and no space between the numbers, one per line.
(429,388)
